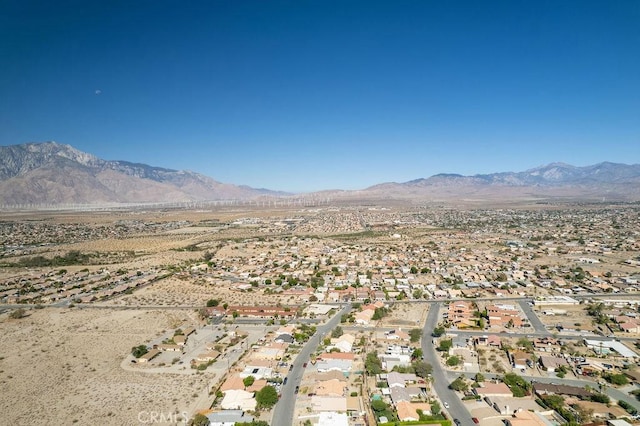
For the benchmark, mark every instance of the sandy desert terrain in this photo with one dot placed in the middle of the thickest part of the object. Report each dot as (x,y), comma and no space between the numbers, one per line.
(62,366)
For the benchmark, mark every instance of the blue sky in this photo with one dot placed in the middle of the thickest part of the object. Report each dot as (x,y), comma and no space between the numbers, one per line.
(308,95)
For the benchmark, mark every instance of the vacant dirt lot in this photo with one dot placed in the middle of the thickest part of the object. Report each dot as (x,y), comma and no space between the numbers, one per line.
(62,366)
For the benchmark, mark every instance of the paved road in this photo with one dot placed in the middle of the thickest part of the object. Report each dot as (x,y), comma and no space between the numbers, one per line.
(537,325)
(440,380)
(284,409)
(615,394)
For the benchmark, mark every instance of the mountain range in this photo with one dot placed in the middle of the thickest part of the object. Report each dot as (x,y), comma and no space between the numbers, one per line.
(50,173)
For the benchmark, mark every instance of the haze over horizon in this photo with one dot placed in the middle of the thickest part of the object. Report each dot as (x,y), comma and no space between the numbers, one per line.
(312,95)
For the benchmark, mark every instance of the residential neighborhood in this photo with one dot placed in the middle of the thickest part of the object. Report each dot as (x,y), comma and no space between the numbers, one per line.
(535,313)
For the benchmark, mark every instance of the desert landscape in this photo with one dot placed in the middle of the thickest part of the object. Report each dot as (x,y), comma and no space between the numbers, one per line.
(106,283)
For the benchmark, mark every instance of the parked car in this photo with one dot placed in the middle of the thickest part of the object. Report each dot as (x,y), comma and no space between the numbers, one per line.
(297,389)
(446,405)
(475,420)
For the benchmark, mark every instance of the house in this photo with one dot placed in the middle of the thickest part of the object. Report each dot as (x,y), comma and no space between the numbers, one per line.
(526,418)
(148,356)
(343,365)
(493,390)
(284,338)
(395,379)
(605,347)
(257,385)
(549,389)
(398,335)
(520,359)
(398,394)
(344,343)
(228,418)
(491,340)
(238,399)
(389,362)
(330,418)
(167,347)
(232,382)
(214,311)
(207,357)
(406,412)
(546,344)
(551,363)
(364,317)
(257,372)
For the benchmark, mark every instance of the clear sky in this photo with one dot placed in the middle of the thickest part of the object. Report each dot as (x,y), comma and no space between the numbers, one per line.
(308,95)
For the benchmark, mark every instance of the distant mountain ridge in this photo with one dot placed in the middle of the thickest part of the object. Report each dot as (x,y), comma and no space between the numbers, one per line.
(606,180)
(52,173)
(551,174)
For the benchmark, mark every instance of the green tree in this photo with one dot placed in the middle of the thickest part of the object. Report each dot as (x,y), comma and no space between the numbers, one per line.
(415,334)
(479,378)
(481,323)
(453,361)
(459,384)
(525,343)
(372,364)
(553,401)
(445,345)
(438,331)
(266,397)
(138,351)
(212,302)
(248,381)
(379,405)
(199,420)
(519,386)
(417,354)
(422,369)
(379,313)
(337,332)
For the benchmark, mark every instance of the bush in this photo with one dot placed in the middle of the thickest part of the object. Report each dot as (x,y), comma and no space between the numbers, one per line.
(628,407)
(600,397)
(267,397)
(18,313)
(616,379)
(138,351)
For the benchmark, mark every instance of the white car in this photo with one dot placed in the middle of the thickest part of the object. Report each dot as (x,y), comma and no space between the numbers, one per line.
(446,405)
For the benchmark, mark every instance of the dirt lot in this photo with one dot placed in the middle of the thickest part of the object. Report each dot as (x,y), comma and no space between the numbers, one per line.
(62,366)
(406,316)
(569,317)
(188,292)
